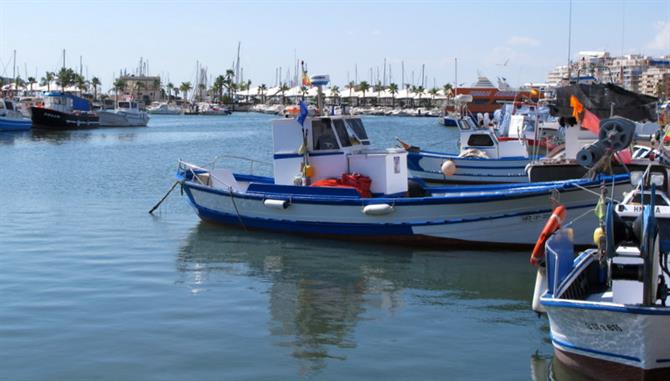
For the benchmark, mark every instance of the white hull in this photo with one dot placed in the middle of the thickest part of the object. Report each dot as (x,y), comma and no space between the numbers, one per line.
(457,216)
(636,337)
(119,118)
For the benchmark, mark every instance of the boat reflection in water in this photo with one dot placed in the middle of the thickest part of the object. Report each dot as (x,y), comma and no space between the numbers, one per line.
(551,369)
(331,300)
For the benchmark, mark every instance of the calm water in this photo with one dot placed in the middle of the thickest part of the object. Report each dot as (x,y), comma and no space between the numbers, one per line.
(92,287)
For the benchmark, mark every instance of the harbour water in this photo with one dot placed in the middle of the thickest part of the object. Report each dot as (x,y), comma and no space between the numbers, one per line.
(93,287)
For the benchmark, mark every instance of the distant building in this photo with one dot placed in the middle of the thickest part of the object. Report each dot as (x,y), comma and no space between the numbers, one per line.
(143,88)
(656,82)
(557,75)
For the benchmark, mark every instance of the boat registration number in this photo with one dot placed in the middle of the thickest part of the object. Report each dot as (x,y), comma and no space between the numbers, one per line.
(603,327)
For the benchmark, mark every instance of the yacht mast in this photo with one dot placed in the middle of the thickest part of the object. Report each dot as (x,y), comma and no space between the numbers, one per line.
(569,39)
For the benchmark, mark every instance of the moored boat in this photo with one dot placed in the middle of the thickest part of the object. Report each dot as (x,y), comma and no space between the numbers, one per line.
(126,114)
(607,305)
(64,111)
(11,118)
(329,182)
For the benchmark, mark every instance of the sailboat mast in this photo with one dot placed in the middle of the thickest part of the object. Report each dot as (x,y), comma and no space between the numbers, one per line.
(14,70)
(569,39)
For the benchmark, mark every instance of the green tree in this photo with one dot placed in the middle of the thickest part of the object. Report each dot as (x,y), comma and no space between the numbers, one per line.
(49,76)
(170,88)
(65,78)
(335,92)
(447,89)
(31,82)
(283,88)
(351,86)
(185,87)
(119,85)
(363,87)
(95,82)
(261,90)
(393,89)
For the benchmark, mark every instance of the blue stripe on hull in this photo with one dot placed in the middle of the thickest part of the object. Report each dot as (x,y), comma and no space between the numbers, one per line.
(594,351)
(307,227)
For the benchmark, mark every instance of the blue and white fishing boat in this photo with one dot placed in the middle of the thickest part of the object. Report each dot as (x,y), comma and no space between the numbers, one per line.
(607,305)
(484,158)
(11,118)
(328,181)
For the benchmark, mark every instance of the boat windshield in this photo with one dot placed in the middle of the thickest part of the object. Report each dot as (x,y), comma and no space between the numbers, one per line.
(9,105)
(124,104)
(356,127)
(343,135)
(323,137)
(56,100)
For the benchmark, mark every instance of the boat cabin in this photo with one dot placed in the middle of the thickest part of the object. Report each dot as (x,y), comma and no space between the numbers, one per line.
(484,139)
(332,146)
(65,102)
(127,105)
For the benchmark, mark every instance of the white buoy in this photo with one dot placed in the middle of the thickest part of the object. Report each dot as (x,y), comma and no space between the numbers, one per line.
(448,168)
(377,209)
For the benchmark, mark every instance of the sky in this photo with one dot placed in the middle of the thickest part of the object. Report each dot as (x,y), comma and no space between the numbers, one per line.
(518,40)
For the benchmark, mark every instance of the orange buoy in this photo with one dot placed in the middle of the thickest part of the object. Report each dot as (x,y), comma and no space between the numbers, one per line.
(555,220)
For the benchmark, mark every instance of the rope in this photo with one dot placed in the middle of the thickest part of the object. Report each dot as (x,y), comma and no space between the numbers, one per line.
(230,189)
(596,193)
(579,217)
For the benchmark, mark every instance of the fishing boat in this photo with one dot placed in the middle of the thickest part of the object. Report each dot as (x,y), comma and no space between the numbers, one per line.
(126,114)
(164,108)
(607,305)
(11,118)
(64,111)
(328,181)
(484,157)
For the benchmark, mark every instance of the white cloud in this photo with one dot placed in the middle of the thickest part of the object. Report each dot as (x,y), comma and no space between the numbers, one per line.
(661,40)
(522,41)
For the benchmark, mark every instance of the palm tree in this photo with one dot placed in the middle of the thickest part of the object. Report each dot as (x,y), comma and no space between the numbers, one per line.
(261,89)
(393,89)
(351,86)
(65,78)
(47,79)
(447,88)
(31,82)
(170,87)
(119,85)
(283,88)
(229,82)
(80,82)
(219,85)
(95,82)
(363,87)
(185,87)
(335,92)
(378,88)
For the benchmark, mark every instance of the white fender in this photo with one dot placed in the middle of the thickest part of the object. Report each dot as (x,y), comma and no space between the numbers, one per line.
(276,204)
(540,288)
(377,209)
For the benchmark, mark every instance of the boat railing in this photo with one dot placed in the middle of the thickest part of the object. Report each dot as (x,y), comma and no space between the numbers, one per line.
(253,163)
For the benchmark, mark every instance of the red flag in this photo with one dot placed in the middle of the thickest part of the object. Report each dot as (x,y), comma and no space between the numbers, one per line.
(591,122)
(588,119)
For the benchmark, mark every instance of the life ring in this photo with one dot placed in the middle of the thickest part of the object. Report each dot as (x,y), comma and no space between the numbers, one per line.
(557,217)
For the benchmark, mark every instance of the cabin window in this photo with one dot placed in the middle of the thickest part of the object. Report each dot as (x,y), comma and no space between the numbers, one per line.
(9,105)
(451,123)
(345,139)
(480,140)
(323,135)
(124,104)
(359,130)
